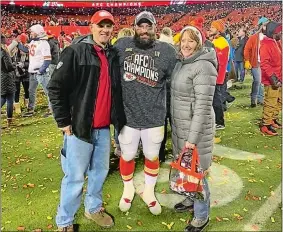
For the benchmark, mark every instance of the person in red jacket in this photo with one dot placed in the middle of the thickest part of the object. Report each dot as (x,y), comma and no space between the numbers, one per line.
(221,46)
(271,68)
(252,62)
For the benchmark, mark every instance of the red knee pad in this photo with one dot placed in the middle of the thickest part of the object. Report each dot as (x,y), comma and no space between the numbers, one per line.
(151,168)
(127,169)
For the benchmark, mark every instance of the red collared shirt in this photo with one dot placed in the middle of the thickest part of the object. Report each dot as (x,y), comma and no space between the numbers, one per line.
(102,113)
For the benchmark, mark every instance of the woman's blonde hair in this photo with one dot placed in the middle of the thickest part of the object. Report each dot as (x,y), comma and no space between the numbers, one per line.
(194,36)
(125,32)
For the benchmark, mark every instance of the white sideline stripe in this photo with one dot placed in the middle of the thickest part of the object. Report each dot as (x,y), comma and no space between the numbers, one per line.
(265,211)
(235,154)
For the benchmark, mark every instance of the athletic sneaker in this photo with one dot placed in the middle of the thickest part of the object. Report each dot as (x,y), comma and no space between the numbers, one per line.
(268,130)
(219,127)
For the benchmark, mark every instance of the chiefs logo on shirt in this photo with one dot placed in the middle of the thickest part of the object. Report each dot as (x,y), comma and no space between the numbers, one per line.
(129,76)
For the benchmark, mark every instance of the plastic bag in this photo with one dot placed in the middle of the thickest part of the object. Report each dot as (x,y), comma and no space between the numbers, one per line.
(186,175)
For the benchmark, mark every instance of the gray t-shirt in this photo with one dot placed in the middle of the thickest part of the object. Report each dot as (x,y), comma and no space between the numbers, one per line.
(144,74)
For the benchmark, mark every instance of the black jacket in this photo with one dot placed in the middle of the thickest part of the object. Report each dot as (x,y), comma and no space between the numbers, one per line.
(7,74)
(239,52)
(22,63)
(73,88)
(54,49)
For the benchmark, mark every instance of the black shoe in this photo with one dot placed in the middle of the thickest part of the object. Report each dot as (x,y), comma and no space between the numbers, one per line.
(181,208)
(191,228)
(253,105)
(271,128)
(230,99)
(277,124)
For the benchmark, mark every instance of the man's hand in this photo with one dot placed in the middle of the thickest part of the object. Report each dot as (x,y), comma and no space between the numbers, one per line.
(67,130)
(190,145)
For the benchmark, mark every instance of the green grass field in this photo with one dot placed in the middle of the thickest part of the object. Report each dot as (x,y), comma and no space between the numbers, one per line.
(31,176)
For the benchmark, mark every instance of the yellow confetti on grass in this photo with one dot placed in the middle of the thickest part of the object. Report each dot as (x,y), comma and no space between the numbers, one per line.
(49,218)
(169,226)
(129,227)
(272,219)
(182,220)
(245,209)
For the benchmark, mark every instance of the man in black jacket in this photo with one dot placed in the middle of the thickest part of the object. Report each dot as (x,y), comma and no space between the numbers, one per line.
(239,55)
(54,47)
(85,93)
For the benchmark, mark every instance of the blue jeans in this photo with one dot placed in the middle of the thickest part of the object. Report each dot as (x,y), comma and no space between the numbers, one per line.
(78,159)
(260,96)
(202,207)
(257,88)
(9,98)
(239,68)
(34,80)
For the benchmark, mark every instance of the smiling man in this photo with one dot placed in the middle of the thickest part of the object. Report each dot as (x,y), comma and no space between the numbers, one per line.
(85,93)
(146,65)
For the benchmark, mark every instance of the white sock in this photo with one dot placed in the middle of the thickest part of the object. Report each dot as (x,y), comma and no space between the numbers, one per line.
(149,196)
(128,196)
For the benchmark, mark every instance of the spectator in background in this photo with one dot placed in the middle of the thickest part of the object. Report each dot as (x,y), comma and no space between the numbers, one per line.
(7,81)
(271,68)
(61,40)
(39,60)
(67,40)
(239,55)
(233,45)
(125,32)
(252,61)
(22,77)
(222,51)
(54,46)
(227,97)
(166,35)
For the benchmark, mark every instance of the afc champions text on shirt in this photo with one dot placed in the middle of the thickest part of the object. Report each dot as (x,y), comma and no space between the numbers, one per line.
(140,67)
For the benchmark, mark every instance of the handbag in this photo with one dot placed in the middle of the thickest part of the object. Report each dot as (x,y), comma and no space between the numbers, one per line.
(186,175)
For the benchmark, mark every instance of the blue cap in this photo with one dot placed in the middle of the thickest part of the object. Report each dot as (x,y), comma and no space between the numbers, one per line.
(262,20)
